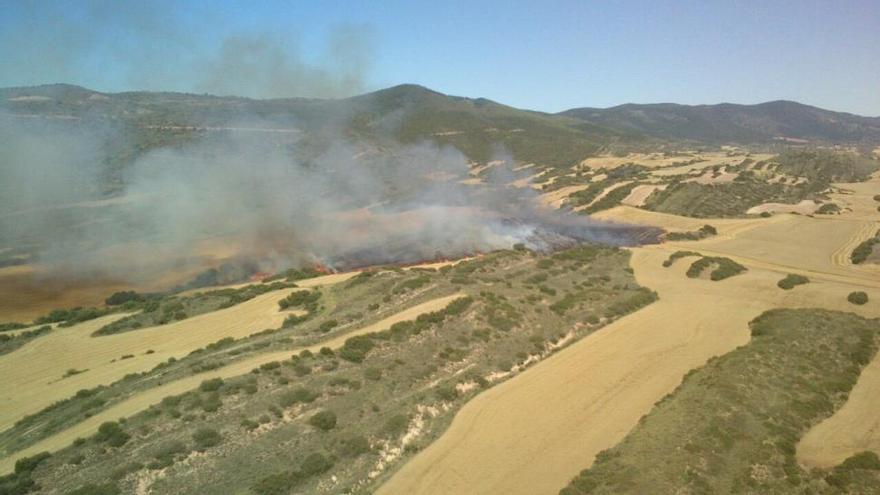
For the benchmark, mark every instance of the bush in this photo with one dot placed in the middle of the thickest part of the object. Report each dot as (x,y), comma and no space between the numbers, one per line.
(324,420)
(211,385)
(28,464)
(828,208)
(354,446)
(864,250)
(447,393)
(356,348)
(123,297)
(676,255)
(307,298)
(396,425)
(206,438)
(862,460)
(373,374)
(297,395)
(165,455)
(791,280)
(97,489)
(327,326)
(725,268)
(112,434)
(857,297)
(315,464)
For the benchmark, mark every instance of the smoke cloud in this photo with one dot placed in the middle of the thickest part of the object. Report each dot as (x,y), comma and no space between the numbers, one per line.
(257,199)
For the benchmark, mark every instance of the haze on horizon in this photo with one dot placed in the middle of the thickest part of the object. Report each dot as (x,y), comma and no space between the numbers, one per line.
(548,57)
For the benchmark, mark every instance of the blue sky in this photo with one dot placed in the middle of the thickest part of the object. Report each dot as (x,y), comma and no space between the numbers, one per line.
(548,55)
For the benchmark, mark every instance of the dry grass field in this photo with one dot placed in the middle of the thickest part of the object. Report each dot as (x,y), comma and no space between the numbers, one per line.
(587,398)
(31,377)
(141,401)
(640,193)
(554,199)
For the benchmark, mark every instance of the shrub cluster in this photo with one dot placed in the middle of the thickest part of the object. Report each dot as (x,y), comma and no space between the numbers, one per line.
(724,268)
(857,297)
(112,434)
(791,280)
(304,298)
(122,297)
(678,254)
(284,482)
(863,250)
(701,233)
(20,481)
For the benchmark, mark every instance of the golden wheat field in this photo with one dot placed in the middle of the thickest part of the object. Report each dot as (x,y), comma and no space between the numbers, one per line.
(590,395)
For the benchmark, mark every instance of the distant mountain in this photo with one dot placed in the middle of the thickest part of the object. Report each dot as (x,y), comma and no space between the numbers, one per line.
(775,120)
(406,113)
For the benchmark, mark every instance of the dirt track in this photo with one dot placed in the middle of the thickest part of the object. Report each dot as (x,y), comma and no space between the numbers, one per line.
(141,401)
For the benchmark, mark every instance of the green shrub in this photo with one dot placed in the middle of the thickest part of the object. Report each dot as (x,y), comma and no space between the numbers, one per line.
(165,455)
(315,464)
(828,208)
(123,297)
(354,446)
(297,395)
(112,434)
(327,326)
(373,374)
(206,438)
(724,268)
(676,255)
(864,250)
(396,425)
(791,280)
(97,489)
(857,297)
(307,298)
(211,385)
(862,460)
(324,420)
(356,348)
(701,233)
(446,393)
(28,464)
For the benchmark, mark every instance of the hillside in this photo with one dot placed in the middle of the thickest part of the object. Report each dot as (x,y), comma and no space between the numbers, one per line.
(406,113)
(765,122)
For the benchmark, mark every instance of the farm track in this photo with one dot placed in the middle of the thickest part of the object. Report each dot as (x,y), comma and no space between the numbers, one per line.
(142,400)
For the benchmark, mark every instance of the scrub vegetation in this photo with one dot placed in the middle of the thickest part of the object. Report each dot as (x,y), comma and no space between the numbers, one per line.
(732,425)
(342,406)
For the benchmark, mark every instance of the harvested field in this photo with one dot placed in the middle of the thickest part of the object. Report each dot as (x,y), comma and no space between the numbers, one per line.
(710,177)
(604,193)
(640,193)
(852,429)
(599,387)
(30,377)
(554,199)
(805,207)
(141,401)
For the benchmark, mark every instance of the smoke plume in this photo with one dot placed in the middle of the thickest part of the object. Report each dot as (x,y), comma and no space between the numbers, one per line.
(259,199)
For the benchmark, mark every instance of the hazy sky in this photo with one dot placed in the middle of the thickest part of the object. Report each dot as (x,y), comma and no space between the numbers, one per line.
(543,55)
